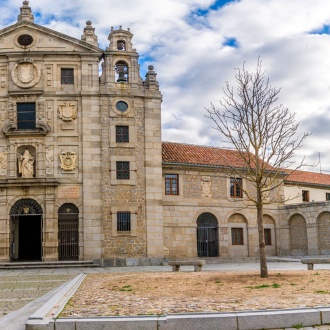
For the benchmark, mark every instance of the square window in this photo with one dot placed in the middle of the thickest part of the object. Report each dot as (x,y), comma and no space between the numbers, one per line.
(26,116)
(122,170)
(327,196)
(122,134)
(123,221)
(268,236)
(236,187)
(237,236)
(171,184)
(305,196)
(67,76)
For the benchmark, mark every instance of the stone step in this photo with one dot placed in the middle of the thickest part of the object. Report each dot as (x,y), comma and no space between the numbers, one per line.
(47,264)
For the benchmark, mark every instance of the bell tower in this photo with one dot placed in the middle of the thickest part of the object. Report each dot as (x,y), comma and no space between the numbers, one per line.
(132,154)
(121,60)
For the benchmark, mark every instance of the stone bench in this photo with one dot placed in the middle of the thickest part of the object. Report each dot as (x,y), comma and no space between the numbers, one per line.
(311,261)
(198,264)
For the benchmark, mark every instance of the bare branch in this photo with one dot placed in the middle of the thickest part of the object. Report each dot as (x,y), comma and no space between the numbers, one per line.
(264,134)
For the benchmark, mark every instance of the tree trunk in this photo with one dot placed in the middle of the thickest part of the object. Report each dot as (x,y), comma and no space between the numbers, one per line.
(262,247)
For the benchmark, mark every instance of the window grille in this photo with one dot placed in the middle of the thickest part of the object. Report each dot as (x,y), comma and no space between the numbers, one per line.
(123,221)
(26,116)
(68,232)
(122,134)
(237,236)
(171,184)
(122,170)
(236,187)
(67,76)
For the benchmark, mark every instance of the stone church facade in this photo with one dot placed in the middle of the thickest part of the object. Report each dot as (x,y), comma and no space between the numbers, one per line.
(84,173)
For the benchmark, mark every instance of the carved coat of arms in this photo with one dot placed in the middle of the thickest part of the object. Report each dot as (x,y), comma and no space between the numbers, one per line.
(67,111)
(68,161)
(25,73)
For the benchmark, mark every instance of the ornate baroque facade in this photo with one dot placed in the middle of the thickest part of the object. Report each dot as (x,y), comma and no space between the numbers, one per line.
(84,173)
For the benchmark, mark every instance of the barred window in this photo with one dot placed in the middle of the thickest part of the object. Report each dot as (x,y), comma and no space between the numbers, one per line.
(67,76)
(26,116)
(122,170)
(122,133)
(327,196)
(171,184)
(123,221)
(268,236)
(237,236)
(236,187)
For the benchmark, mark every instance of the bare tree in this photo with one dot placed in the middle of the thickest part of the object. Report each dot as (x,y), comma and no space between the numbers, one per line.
(264,134)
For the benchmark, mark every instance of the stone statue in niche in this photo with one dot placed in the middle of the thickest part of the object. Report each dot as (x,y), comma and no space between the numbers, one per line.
(25,164)
(206,186)
(68,161)
(67,111)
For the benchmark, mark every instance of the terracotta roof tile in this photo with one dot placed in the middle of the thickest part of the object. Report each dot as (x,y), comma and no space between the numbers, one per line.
(180,153)
(309,178)
(188,154)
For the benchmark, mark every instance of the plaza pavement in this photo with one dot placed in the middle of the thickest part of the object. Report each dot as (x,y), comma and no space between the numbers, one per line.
(22,292)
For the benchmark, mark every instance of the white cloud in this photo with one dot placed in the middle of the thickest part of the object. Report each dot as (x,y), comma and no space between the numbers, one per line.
(192,63)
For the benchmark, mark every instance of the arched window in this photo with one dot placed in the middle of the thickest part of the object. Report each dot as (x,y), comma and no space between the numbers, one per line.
(68,232)
(121,71)
(207,235)
(121,45)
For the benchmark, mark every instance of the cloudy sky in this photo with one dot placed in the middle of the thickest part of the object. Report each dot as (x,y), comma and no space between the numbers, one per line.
(196,44)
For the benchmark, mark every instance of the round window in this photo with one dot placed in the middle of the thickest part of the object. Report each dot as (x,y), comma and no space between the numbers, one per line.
(121,106)
(25,40)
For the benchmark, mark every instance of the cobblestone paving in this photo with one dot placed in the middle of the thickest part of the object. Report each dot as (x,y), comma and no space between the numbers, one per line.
(321,327)
(15,291)
(18,289)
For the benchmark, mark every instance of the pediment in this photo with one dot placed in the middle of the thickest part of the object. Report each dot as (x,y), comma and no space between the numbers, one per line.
(44,40)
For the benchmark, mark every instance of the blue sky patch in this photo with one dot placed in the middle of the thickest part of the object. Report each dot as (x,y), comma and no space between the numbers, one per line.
(325,29)
(216,5)
(231,42)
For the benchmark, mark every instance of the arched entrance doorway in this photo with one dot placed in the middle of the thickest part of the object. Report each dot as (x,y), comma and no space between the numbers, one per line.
(207,235)
(68,232)
(26,231)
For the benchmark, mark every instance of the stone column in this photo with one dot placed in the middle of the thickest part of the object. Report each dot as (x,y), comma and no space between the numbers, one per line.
(312,239)
(50,236)
(4,227)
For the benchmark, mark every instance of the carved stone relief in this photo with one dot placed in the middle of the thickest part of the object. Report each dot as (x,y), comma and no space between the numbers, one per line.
(3,111)
(3,161)
(25,73)
(206,186)
(68,161)
(67,111)
(49,161)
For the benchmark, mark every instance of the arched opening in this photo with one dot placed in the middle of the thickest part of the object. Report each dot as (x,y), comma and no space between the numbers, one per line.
(121,71)
(207,235)
(298,235)
(26,231)
(68,232)
(323,224)
(121,45)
